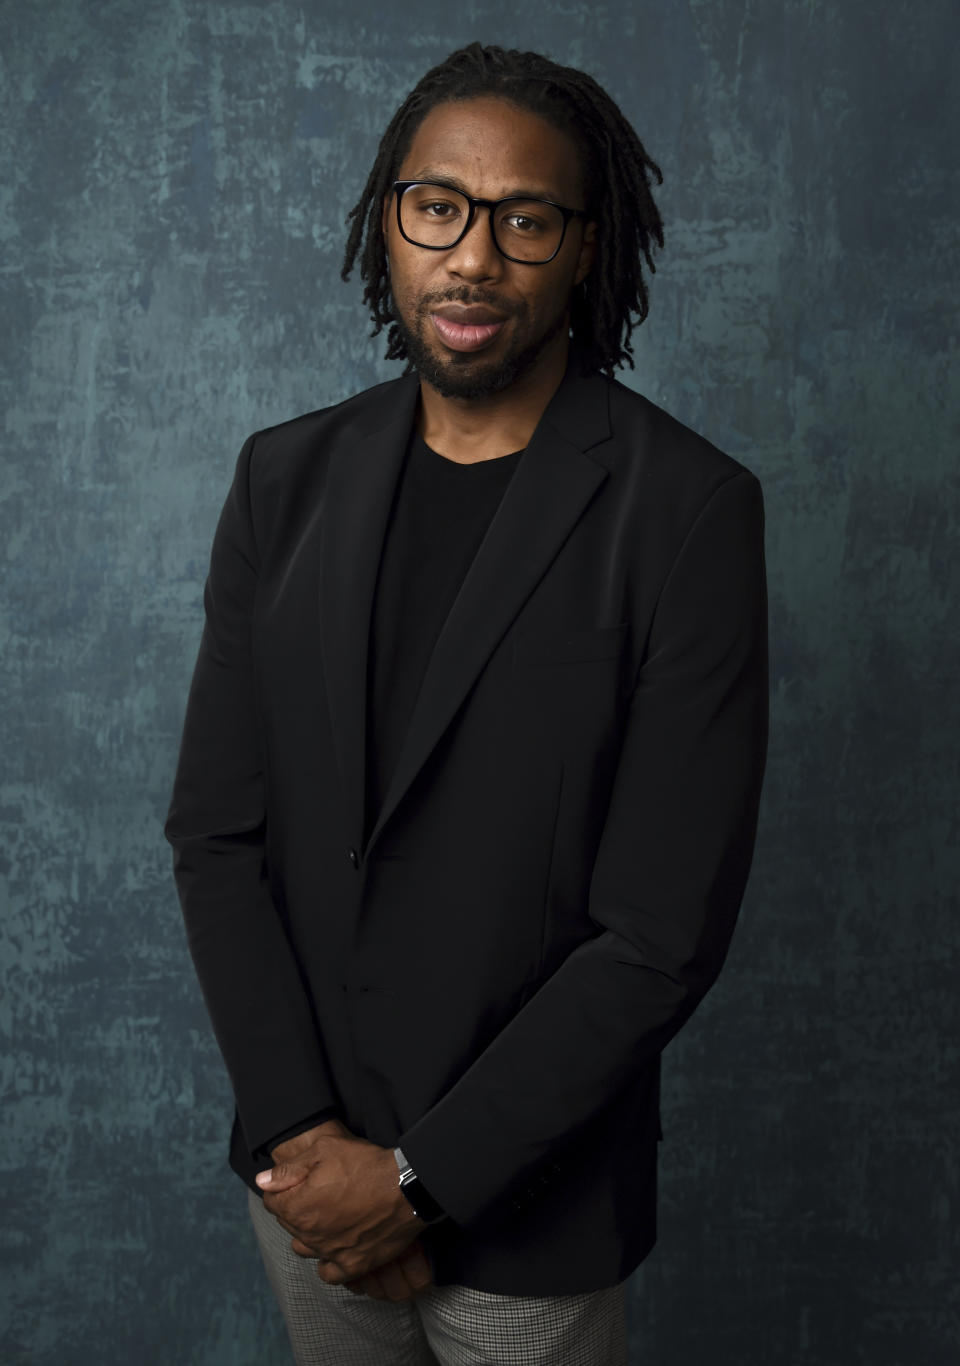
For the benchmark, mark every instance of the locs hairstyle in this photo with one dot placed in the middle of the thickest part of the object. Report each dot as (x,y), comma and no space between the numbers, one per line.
(616,181)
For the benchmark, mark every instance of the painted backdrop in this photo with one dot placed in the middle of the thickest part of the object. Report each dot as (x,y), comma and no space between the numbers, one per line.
(174,178)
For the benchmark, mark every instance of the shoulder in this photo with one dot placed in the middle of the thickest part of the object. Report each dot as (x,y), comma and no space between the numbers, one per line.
(670,469)
(663,475)
(664,442)
(313,434)
(282,470)
(287,464)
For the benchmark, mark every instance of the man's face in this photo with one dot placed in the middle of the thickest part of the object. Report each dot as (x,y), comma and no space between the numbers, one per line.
(490,149)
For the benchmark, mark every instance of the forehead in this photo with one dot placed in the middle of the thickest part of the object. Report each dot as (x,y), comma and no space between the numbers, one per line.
(494,148)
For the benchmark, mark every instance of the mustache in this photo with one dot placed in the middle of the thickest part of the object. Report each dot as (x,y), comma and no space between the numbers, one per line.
(463,295)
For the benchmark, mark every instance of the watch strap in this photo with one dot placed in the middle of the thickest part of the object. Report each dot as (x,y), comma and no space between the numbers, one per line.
(423,1204)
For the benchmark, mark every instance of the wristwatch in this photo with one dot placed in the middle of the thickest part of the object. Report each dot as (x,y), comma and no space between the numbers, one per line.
(423,1204)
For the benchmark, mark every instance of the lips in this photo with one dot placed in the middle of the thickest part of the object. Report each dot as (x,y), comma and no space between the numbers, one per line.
(466,329)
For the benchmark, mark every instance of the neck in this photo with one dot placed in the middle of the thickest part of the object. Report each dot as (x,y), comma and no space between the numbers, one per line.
(474,429)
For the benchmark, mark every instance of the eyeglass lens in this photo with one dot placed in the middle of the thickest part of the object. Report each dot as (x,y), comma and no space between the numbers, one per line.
(526,229)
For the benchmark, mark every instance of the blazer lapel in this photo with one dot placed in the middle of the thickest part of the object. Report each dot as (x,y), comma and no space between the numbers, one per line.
(549,491)
(363,475)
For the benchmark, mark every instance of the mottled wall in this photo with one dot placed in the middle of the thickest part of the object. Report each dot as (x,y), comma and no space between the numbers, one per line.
(173,182)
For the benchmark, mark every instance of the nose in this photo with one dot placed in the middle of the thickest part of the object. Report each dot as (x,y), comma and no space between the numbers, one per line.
(475,257)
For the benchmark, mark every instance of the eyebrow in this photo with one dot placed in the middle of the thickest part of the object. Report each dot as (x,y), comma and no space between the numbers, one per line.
(453,183)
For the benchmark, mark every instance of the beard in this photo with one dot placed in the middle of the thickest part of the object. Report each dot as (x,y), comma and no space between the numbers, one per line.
(465,374)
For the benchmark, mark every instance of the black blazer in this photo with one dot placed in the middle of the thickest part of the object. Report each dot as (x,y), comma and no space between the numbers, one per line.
(553,879)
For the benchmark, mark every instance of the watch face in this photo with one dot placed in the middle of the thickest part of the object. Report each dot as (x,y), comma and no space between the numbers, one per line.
(424,1206)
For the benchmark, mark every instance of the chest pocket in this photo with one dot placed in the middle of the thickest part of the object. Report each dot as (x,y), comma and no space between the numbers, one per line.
(578,645)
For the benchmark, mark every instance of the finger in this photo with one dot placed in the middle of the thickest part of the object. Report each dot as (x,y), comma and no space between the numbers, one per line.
(332,1273)
(416,1272)
(370,1284)
(394,1282)
(283,1177)
(399,1279)
(415,1266)
(303,1249)
(296,1231)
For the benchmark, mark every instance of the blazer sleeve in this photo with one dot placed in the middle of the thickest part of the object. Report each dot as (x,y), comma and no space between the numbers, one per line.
(668,879)
(254,992)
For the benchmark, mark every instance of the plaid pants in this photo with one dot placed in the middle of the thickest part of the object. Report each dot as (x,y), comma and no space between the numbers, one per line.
(445,1325)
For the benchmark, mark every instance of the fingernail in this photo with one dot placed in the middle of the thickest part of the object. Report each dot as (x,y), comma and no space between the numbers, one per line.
(264,1178)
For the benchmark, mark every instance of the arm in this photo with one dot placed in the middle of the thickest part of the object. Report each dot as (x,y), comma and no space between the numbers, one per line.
(267,1150)
(668,879)
(325,1177)
(258,1005)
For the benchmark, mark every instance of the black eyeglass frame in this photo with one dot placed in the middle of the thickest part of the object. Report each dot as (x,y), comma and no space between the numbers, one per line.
(401,186)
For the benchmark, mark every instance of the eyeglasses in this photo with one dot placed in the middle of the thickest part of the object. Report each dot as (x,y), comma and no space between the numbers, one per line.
(530,231)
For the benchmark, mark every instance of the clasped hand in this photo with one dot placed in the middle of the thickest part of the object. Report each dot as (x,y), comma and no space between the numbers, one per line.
(338,1197)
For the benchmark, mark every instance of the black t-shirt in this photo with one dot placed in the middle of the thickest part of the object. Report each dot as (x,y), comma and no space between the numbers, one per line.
(440,515)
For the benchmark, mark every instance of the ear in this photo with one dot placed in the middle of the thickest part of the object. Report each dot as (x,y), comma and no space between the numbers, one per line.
(588,252)
(385,214)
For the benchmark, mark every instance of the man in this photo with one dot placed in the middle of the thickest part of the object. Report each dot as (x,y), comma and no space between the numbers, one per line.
(468,789)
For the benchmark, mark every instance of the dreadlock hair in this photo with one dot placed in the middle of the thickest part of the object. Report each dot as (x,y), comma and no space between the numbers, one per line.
(616,185)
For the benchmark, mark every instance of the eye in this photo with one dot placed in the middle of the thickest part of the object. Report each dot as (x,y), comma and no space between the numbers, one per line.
(437,208)
(524,224)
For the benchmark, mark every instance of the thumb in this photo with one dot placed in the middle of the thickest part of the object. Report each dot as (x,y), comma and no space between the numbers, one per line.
(283,1177)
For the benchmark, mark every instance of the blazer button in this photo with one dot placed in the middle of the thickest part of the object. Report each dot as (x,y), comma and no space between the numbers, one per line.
(354,858)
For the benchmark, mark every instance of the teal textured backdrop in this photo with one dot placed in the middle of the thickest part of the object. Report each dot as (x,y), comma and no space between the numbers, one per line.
(174,179)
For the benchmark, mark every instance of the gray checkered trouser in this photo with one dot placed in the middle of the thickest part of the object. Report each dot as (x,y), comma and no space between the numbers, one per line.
(445,1325)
